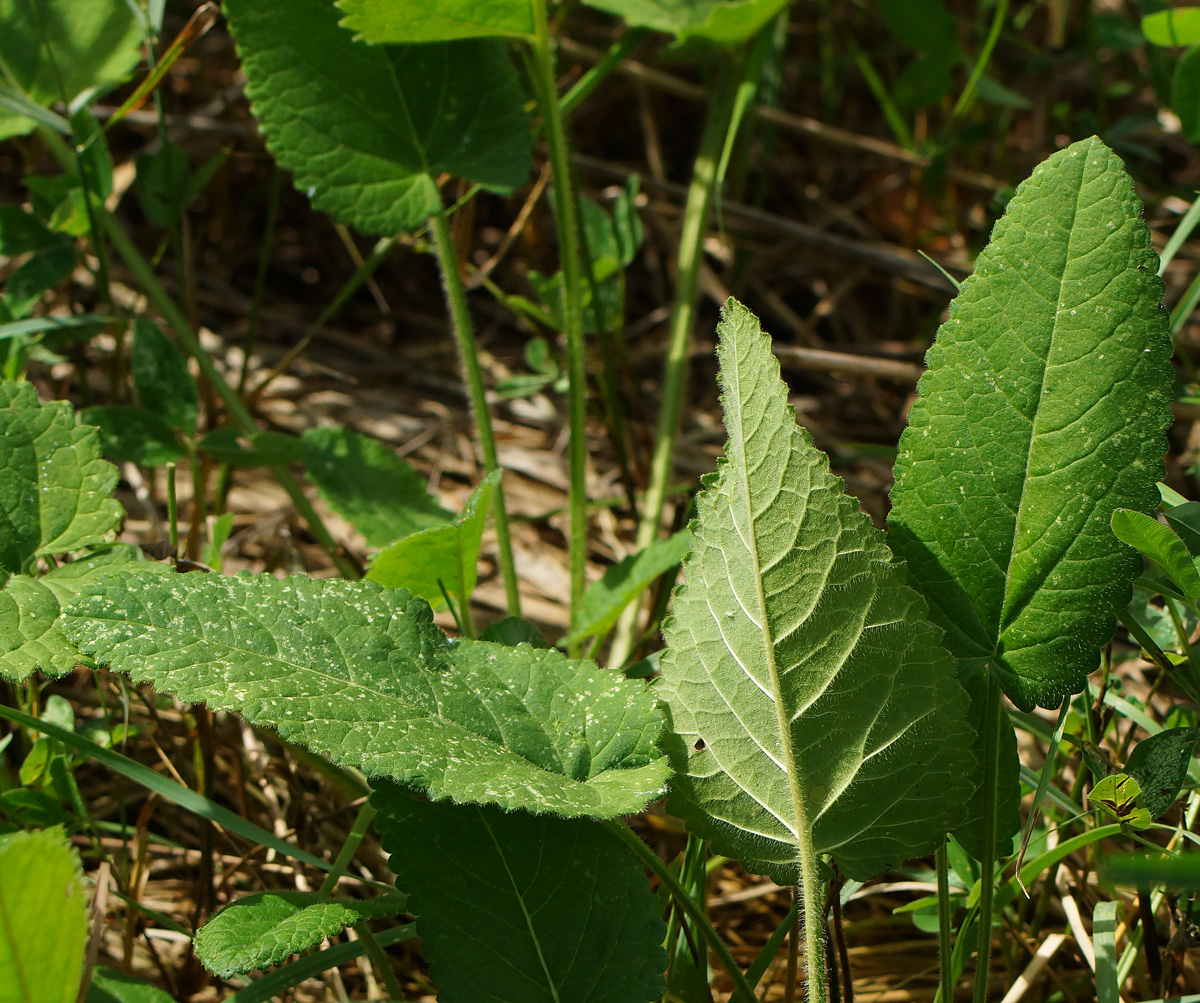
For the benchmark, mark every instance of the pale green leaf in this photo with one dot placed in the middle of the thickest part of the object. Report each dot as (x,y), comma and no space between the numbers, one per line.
(606,597)
(359,673)
(366,130)
(43,918)
(1044,409)
(160,374)
(263,929)
(366,483)
(1160,544)
(437,20)
(54,485)
(54,49)
(819,711)
(447,554)
(519,908)
(1159,763)
(722,21)
(1178,26)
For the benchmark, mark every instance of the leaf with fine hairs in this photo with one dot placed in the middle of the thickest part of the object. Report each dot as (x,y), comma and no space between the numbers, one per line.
(820,712)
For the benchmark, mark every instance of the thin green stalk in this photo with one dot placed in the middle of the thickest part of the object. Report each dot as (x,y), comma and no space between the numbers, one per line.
(161,299)
(568,240)
(647,856)
(362,822)
(883,98)
(464,333)
(994,719)
(172,509)
(945,926)
(967,96)
(1183,230)
(691,240)
(260,275)
(380,961)
(592,79)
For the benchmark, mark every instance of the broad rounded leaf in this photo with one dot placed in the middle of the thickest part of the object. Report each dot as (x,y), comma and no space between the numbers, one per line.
(723,21)
(44,924)
(359,673)
(263,929)
(819,711)
(437,20)
(54,486)
(366,129)
(1044,409)
(520,908)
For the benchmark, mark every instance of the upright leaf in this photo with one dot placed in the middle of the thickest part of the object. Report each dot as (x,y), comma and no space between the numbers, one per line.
(722,21)
(54,486)
(367,483)
(519,907)
(1161,545)
(160,374)
(821,714)
(441,555)
(1160,764)
(366,130)
(437,20)
(1044,409)
(43,918)
(360,674)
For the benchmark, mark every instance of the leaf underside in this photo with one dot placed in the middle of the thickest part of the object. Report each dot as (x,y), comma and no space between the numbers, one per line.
(359,673)
(366,129)
(1044,409)
(520,908)
(800,670)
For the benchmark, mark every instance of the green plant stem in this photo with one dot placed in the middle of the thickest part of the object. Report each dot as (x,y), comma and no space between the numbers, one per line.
(993,720)
(161,299)
(967,97)
(647,856)
(464,333)
(691,247)
(380,961)
(945,920)
(592,79)
(362,822)
(568,240)
(260,275)
(172,509)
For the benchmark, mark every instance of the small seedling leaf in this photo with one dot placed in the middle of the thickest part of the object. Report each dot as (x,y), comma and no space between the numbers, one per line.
(1161,545)
(263,929)
(1120,796)
(359,673)
(516,906)
(1159,765)
(365,482)
(815,705)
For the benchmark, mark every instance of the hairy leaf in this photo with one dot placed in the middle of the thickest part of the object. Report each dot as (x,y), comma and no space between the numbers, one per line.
(367,129)
(263,929)
(359,673)
(437,20)
(1044,409)
(448,554)
(622,583)
(43,918)
(54,485)
(367,483)
(54,49)
(820,711)
(723,21)
(520,908)
(1160,764)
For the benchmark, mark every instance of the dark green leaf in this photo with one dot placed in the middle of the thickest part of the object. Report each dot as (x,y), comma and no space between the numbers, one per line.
(33,277)
(22,232)
(134,435)
(922,25)
(162,178)
(161,377)
(1182,872)
(518,907)
(1159,764)
(111,986)
(264,449)
(514,630)
(1185,520)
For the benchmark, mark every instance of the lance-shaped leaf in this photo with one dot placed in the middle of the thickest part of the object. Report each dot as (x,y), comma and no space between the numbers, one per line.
(263,929)
(359,673)
(54,485)
(367,129)
(821,714)
(438,20)
(723,21)
(518,907)
(1044,409)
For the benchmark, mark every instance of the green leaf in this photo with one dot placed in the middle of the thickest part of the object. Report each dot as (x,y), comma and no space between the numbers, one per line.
(111,986)
(513,906)
(514,630)
(1180,26)
(366,130)
(448,554)
(1185,93)
(263,929)
(161,377)
(134,435)
(54,486)
(1044,409)
(22,232)
(922,25)
(54,49)
(437,20)
(264,449)
(1161,545)
(31,278)
(1120,796)
(1185,520)
(46,926)
(366,483)
(360,674)
(1181,872)
(722,21)
(800,671)
(606,597)
(1159,765)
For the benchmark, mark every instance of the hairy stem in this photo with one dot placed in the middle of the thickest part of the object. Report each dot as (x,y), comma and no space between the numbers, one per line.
(464,334)
(993,722)
(945,959)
